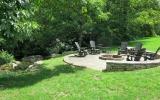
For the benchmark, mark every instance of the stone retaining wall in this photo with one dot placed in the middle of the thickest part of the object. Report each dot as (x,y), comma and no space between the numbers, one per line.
(93,62)
(129,66)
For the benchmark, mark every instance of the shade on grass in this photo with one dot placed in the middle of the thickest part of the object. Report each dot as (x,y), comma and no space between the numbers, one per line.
(57,80)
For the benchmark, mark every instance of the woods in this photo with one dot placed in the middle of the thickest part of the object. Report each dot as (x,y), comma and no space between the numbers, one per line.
(32,27)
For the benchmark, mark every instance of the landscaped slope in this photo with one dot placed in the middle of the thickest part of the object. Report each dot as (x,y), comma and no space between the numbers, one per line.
(58,80)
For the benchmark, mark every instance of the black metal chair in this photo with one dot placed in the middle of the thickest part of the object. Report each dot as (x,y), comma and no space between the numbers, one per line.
(136,55)
(93,49)
(150,55)
(123,48)
(82,52)
(137,48)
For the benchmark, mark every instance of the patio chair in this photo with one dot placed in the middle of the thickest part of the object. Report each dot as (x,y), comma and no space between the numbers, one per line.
(93,49)
(82,52)
(151,55)
(136,56)
(137,48)
(123,48)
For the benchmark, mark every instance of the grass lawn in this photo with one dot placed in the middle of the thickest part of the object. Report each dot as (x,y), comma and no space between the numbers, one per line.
(57,80)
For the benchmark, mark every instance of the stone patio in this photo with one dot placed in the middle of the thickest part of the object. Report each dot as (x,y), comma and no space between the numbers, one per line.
(93,62)
(90,61)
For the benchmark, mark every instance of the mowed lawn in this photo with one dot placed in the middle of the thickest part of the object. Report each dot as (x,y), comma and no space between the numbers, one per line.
(59,81)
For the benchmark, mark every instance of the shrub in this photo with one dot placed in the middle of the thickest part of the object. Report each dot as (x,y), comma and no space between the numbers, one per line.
(5,57)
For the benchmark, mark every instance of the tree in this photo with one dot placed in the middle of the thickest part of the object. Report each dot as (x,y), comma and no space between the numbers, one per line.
(70,20)
(16,24)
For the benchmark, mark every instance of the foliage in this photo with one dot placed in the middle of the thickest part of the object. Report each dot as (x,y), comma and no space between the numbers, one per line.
(131,19)
(5,57)
(16,24)
(68,20)
(103,20)
(29,27)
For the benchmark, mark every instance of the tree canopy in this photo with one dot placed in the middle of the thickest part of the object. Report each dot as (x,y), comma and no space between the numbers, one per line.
(31,26)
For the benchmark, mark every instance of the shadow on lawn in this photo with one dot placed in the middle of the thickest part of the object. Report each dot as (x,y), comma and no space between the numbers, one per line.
(27,79)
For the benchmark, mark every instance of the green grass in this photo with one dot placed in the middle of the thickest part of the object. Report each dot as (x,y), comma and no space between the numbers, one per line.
(59,81)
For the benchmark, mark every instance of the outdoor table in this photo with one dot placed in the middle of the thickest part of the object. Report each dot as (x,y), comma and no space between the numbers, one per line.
(129,48)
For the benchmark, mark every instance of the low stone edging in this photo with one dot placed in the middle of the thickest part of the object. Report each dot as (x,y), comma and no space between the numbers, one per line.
(110,65)
(130,65)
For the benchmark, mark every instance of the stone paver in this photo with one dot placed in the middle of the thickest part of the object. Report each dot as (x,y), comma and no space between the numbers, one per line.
(90,61)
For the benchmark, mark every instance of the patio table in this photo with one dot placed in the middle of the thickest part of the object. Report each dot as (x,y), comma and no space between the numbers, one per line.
(129,48)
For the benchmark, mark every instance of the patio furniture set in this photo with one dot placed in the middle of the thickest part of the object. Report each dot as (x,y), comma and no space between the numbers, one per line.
(137,52)
(83,51)
(132,53)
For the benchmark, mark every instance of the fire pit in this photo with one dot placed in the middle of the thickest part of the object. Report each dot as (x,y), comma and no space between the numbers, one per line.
(111,57)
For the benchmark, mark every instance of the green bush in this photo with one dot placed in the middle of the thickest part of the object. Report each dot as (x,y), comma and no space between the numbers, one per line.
(5,57)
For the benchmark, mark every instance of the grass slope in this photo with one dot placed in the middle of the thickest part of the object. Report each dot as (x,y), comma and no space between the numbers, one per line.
(59,81)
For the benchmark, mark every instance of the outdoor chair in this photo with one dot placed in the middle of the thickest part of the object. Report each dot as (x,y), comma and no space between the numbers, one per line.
(136,56)
(82,52)
(151,55)
(123,49)
(137,48)
(93,49)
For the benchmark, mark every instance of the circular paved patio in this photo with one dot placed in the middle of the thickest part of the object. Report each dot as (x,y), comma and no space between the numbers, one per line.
(93,62)
(90,61)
